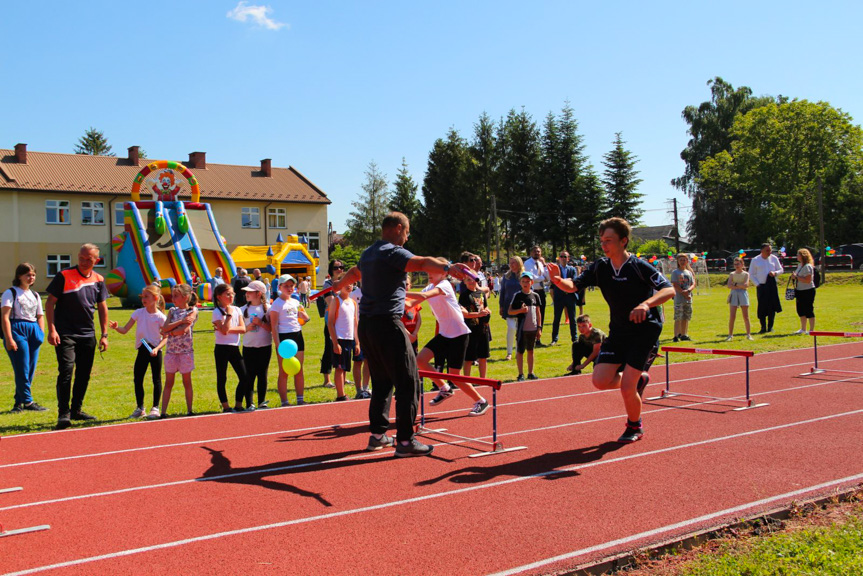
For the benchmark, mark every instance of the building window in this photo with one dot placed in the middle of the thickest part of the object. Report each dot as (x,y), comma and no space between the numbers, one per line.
(57,212)
(314,239)
(277,218)
(251,218)
(119,214)
(93,213)
(57,262)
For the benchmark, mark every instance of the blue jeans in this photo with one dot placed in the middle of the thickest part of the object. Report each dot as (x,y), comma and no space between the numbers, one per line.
(29,337)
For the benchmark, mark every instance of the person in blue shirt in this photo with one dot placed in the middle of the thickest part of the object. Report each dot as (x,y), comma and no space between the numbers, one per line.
(634,290)
(383,269)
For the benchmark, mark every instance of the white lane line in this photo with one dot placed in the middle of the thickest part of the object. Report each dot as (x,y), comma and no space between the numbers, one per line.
(363,422)
(292,467)
(427,497)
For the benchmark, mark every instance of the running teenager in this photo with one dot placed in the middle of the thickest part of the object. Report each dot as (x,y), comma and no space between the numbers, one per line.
(633,289)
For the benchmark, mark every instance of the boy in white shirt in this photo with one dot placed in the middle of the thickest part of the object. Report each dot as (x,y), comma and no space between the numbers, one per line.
(342,320)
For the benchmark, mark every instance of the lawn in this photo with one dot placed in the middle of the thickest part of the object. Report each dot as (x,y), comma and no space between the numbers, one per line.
(111,397)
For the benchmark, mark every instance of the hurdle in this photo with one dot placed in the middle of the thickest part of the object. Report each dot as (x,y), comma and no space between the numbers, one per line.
(667,393)
(495,385)
(815,334)
(6,533)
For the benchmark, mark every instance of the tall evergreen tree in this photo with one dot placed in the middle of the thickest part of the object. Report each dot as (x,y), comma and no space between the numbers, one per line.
(404,198)
(483,179)
(520,161)
(94,143)
(621,182)
(592,202)
(364,222)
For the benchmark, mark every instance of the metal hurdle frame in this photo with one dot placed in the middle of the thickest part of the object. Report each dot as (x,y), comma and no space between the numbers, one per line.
(495,385)
(667,393)
(815,334)
(6,533)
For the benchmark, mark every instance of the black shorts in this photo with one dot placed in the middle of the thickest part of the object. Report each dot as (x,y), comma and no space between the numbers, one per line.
(526,341)
(296,337)
(477,344)
(636,349)
(451,349)
(343,361)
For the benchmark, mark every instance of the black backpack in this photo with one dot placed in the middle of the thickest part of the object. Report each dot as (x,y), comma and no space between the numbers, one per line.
(816,277)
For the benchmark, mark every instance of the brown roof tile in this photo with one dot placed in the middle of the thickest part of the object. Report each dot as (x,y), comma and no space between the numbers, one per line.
(49,171)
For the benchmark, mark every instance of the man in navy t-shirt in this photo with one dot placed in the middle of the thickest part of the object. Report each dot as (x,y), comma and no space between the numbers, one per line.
(383,269)
(73,295)
(633,289)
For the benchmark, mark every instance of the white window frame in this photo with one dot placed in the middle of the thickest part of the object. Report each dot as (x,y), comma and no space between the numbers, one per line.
(94,208)
(273,215)
(58,206)
(58,262)
(252,213)
(119,214)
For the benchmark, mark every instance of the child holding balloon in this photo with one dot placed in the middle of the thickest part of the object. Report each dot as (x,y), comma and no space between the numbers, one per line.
(229,324)
(258,342)
(286,320)
(180,350)
(342,324)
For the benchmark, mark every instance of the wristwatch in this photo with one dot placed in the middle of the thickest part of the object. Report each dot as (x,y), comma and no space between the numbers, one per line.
(104,335)
(446,269)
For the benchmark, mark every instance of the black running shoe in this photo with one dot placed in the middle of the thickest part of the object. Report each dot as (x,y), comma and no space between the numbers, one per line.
(415,448)
(631,434)
(17,408)
(64,421)
(375,444)
(81,415)
(643,381)
(441,396)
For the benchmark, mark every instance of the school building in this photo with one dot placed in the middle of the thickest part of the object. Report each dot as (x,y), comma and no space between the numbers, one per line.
(52,203)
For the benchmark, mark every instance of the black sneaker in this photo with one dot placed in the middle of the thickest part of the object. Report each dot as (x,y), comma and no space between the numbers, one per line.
(643,381)
(676,338)
(339,399)
(263,405)
(532,376)
(685,338)
(359,395)
(227,410)
(631,434)
(81,415)
(479,408)
(520,378)
(415,448)
(574,372)
(17,409)
(441,396)
(375,444)
(64,421)
(367,395)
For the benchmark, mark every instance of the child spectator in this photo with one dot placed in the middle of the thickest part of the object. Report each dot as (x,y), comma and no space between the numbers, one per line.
(738,283)
(342,319)
(683,281)
(228,323)
(23,333)
(362,374)
(258,341)
(586,348)
(412,318)
(476,314)
(285,318)
(450,342)
(526,307)
(149,341)
(509,287)
(180,350)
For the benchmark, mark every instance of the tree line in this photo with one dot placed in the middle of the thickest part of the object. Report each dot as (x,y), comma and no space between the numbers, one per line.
(511,184)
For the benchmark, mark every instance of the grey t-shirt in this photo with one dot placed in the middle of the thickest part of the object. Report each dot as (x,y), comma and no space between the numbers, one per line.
(382,266)
(805,270)
(684,278)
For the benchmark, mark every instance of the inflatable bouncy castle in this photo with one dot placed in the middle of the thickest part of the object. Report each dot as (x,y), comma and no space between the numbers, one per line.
(167,241)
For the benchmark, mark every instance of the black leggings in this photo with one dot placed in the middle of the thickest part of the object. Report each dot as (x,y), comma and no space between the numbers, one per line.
(327,358)
(142,361)
(257,361)
(225,353)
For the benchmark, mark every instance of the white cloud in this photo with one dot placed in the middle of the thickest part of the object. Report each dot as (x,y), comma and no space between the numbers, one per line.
(243,12)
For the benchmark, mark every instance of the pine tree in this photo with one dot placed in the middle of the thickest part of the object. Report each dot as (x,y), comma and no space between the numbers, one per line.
(520,156)
(94,143)
(621,181)
(404,198)
(591,205)
(483,179)
(364,222)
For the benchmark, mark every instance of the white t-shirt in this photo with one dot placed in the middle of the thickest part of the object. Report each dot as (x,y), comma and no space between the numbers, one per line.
(227,339)
(345,319)
(147,326)
(256,336)
(447,311)
(27,306)
(287,311)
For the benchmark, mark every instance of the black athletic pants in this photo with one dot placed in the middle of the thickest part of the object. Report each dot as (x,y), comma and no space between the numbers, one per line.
(580,351)
(542,302)
(393,366)
(74,354)
(257,361)
(224,354)
(142,361)
(327,358)
(561,303)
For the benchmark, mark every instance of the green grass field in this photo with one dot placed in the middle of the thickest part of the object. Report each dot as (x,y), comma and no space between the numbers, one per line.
(111,397)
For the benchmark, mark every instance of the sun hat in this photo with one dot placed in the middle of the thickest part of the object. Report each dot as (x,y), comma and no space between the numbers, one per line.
(255,286)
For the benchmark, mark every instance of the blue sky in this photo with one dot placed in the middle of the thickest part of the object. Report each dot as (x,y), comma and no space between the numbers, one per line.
(328,86)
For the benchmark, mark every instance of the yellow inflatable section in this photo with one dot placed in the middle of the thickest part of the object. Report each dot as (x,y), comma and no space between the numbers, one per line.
(286,256)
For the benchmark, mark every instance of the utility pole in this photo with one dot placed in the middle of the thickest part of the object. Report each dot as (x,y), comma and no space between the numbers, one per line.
(821,233)
(676,229)
(496,230)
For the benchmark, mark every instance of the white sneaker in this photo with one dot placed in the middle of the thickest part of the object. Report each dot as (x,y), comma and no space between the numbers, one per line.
(138,413)
(154,414)
(799,332)
(749,337)
(730,338)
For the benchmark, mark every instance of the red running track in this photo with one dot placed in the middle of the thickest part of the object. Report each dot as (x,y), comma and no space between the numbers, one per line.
(278,491)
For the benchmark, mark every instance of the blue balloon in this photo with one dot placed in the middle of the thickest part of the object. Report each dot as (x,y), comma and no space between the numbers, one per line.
(288,349)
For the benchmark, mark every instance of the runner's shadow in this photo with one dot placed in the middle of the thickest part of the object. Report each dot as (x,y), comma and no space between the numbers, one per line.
(328,433)
(546,465)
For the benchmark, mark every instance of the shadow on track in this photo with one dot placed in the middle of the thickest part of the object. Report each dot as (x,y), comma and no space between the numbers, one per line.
(541,465)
